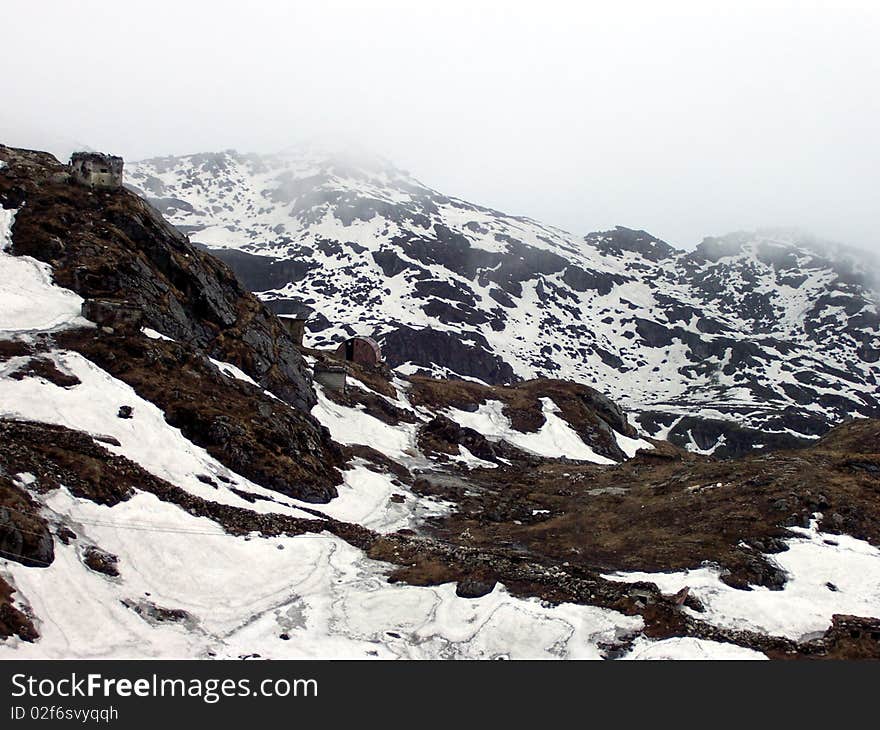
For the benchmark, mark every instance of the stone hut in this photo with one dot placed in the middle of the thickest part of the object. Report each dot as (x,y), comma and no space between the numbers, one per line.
(293,314)
(114,314)
(362,350)
(96,170)
(295,324)
(332,377)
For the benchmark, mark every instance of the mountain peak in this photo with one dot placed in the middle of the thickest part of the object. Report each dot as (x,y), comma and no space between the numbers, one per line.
(754,328)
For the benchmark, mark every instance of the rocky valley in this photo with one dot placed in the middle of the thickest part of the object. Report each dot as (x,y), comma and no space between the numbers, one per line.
(582,448)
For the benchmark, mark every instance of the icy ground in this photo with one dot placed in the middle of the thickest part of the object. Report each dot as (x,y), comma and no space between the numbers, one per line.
(826,573)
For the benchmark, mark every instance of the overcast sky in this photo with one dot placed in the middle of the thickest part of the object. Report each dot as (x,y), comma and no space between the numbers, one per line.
(683,118)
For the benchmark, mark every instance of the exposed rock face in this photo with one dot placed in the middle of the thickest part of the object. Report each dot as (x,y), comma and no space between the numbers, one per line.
(116,315)
(12,621)
(591,415)
(443,435)
(24,534)
(253,434)
(723,439)
(132,267)
(772,332)
(474,587)
(111,244)
(426,349)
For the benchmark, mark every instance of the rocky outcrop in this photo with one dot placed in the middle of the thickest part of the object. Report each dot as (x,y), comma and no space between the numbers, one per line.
(13,622)
(24,534)
(721,439)
(111,244)
(101,561)
(428,347)
(442,435)
(133,268)
(591,415)
(253,434)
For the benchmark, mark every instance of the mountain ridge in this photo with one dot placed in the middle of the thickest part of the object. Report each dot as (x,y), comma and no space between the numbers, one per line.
(748,334)
(157,500)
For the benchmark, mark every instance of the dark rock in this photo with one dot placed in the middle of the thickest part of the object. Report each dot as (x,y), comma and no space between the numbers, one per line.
(101,561)
(119,249)
(46,369)
(474,587)
(114,314)
(467,354)
(24,534)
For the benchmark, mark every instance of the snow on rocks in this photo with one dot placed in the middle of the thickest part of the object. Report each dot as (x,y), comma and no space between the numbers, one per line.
(744,319)
(827,574)
(29,301)
(145,437)
(373,500)
(555,439)
(467,459)
(232,371)
(630,446)
(185,590)
(354,426)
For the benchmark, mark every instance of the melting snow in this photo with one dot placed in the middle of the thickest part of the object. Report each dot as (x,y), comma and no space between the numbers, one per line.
(242,594)
(231,371)
(29,301)
(686,647)
(805,605)
(145,438)
(354,426)
(153,335)
(555,438)
(630,446)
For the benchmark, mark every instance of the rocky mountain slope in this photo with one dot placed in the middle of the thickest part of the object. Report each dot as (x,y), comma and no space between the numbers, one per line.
(769,331)
(177,486)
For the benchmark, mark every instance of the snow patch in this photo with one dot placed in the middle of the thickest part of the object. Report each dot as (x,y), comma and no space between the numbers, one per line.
(354,426)
(827,574)
(29,300)
(555,439)
(242,594)
(231,371)
(630,446)
(687,648)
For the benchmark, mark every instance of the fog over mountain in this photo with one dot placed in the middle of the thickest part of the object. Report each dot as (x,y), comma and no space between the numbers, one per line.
(439,331)
(685,119)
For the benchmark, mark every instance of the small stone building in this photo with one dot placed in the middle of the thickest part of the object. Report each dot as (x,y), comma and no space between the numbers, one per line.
(332,377)
(295,324)
(116,314)
(362,350)
(96,170)
(294,315)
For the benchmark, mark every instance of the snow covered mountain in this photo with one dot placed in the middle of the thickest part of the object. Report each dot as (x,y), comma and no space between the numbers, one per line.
(771,331)
(173,484)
